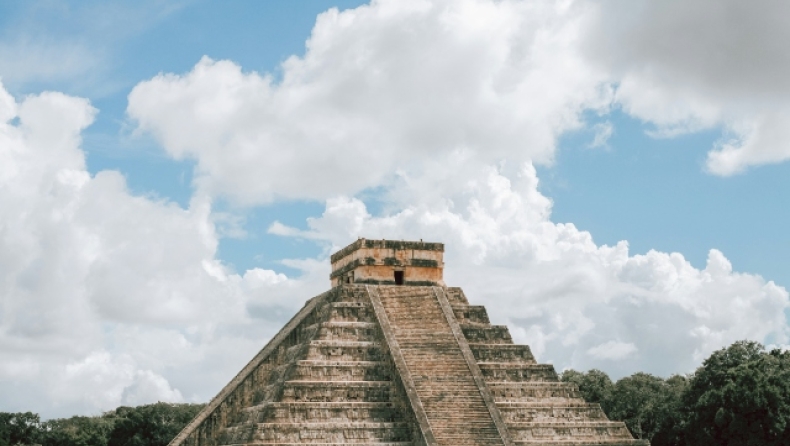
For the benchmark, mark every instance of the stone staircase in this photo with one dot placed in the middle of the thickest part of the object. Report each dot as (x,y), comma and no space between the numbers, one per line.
(455,409)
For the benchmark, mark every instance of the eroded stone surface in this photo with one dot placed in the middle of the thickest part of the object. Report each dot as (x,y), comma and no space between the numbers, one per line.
(388,262)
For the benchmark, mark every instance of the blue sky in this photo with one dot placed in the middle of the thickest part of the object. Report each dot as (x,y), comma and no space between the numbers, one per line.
(570,165)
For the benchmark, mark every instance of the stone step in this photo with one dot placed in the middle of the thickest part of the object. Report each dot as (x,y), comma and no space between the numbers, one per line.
(490,334)
(349,432)
(338,350)
(502,353)
(513,371)
(312,370)
(378,443)
(524,392)
(559,430)
(542,412)
(325,412)
(344,330)
(338,391)
(286,353)
(441,376)
(582,442)
(471,314)
(352,293)
(455,295)
(350,312)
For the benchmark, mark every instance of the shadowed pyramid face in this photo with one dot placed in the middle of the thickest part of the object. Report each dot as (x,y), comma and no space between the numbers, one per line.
(389,262)
(399,366)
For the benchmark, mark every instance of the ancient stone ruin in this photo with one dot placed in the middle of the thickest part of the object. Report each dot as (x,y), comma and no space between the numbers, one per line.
(391,356)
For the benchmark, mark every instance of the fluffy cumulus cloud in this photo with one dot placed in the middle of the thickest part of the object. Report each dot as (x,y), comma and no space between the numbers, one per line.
(396,82)
(577,304)
(684,66)
(104,293)
(384,86)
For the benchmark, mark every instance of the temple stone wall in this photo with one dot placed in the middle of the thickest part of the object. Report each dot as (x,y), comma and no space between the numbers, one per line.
(378,262)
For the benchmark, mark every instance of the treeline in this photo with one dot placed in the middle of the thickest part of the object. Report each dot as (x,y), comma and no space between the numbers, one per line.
(149,425)
(739,396)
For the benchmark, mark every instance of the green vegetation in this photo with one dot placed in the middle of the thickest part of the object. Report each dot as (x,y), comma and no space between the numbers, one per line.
(739,396)
(149,425)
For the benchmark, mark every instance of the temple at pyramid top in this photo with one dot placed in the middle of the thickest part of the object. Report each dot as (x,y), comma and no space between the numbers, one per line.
(389,262)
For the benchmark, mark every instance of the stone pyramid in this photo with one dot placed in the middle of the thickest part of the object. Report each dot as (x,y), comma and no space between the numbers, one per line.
(391,356)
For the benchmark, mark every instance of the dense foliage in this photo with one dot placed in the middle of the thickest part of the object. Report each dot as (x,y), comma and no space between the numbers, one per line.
(740,396)
(149,425)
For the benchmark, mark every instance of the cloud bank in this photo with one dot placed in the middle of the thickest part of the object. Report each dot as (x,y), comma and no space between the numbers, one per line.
(110,298)
(380,87)
(392,84)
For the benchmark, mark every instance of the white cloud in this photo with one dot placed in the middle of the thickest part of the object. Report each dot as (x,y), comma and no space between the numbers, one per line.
(381,87)
(577,304)
(147,387)
(613,350)
(603,131)
(390,85)
(685,66)
(110,298)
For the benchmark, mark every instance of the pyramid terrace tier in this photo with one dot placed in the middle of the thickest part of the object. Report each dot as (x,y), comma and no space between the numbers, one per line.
(333,350)
(517,372)
(350,312)
(533,392)
(302,412)
(331,432)
(569,431)
(338,391)
(345,330)
(570,410)
(502,353)
(316,370)
(319,443)
(486,334)
(467,315)
(600,441)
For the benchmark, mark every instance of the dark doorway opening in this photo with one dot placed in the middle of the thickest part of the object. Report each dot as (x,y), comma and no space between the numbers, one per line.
(398,277)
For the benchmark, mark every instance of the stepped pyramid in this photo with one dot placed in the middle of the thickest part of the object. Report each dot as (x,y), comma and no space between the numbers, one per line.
(391,356)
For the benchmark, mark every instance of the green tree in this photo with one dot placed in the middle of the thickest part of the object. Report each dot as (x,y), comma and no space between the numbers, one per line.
(740,396)
(19,428)
(78,431)
(594,386)
(648,405)
(670,432)
(150,425)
